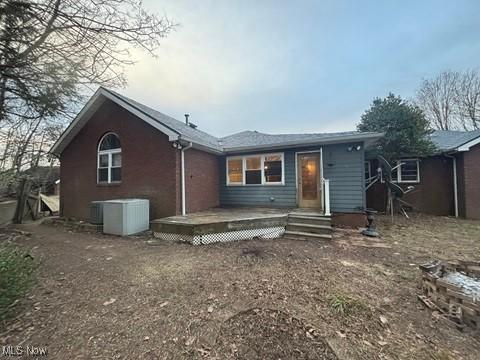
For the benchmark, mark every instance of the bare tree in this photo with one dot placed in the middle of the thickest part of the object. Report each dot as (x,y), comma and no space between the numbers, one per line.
(451,100)
(468,99)
(437,98)
(51,53)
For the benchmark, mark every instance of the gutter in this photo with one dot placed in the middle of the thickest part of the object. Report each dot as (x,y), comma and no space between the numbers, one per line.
(455,184)
(306,142)
(182,159)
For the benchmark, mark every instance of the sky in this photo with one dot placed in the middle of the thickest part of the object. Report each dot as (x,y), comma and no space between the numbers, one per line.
(298,66)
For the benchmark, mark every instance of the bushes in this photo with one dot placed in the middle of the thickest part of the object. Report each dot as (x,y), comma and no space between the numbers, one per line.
(16,276)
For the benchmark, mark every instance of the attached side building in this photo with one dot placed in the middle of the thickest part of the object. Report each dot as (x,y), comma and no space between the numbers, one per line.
(447,183)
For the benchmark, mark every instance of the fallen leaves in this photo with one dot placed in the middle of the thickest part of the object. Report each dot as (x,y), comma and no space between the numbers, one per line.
(190,341)
(216,282)
(109,302)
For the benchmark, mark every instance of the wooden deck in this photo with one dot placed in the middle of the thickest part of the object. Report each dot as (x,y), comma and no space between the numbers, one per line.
(221,220)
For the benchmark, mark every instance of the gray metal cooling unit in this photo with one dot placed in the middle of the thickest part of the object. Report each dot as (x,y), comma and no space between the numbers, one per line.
(96,212)
(126,216)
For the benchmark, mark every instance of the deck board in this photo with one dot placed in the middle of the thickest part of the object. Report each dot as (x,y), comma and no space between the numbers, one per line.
(220,220)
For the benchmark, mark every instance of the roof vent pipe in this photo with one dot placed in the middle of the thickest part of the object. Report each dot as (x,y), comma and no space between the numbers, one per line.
(186,118)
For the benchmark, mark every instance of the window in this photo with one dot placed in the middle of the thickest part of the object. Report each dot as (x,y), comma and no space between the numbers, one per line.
(253,170)
(109,159)
(235,171)
(407,172)
(368,173)
(272,169)
(264,169)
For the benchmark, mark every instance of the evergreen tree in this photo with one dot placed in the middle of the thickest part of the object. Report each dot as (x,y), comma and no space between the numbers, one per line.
(405,127)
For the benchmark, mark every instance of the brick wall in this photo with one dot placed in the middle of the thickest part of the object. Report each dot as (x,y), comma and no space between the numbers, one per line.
(471,173)
(149,165)
(201,180)
(432,195)
(461,185)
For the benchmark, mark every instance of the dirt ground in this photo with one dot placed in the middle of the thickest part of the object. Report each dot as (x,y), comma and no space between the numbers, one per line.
(104,297)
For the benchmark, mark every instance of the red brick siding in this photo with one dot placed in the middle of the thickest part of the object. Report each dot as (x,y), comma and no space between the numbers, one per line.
(432,195)
(461,185)
(149,165)
(201,180)
(377,193)
(178,184)
(353,220)
(471,163)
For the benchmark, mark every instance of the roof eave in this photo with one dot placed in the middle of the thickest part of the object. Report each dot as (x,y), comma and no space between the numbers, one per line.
(290,144)
(88,110)
(207,149)
(184,141)
(462,148)
(466,146)
(59,146)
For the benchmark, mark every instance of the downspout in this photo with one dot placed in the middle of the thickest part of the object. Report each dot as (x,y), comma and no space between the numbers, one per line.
(182,160)
(455,184)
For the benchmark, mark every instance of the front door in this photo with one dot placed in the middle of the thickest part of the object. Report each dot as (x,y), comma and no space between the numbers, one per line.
(309,184)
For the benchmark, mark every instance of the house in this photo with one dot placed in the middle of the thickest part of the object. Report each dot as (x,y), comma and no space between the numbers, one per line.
(119,148)
(447,183)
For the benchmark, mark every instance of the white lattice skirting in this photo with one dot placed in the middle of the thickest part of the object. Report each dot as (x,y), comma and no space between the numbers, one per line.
(264,233)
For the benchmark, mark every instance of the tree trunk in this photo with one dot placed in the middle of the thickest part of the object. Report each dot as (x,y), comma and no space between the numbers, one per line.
(22,195)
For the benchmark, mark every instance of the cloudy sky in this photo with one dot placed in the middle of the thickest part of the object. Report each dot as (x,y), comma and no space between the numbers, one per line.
(299,66)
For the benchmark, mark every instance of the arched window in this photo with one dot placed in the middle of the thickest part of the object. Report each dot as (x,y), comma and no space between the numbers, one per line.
(109,159)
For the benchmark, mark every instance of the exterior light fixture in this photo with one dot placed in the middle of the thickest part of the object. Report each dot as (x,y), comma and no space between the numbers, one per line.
(356,148)
(176,145)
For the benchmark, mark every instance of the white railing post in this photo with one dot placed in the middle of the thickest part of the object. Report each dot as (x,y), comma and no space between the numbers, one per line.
(326,190)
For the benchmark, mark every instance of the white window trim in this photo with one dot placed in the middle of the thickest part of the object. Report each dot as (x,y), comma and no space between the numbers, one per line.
(399,172)
(262,168)
(243,170)
(110,162)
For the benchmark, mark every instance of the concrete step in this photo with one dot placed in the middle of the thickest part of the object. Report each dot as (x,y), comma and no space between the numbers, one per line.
(300,235)
(309,228)
(306,213)
(315,220)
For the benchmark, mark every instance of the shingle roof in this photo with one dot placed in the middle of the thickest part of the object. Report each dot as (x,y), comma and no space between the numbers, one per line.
(449,140)
(243,140)
(178,130)
(254,139)
(189,133)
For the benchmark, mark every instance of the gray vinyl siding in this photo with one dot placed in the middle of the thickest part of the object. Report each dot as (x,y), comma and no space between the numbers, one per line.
(344,169)
(261,195)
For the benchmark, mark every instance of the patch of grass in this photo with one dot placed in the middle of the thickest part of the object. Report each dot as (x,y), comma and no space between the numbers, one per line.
(345,305)
(16,276)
